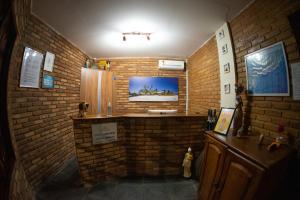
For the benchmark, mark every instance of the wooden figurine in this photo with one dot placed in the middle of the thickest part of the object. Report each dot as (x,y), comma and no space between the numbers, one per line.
(238,115)
(187,162)
(83,109)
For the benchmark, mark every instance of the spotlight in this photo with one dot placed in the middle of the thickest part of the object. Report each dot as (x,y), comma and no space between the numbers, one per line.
(137,34)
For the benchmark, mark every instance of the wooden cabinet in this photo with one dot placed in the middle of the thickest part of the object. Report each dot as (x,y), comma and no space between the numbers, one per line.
(240,178)
(96,89)
(212,168)
(239,169)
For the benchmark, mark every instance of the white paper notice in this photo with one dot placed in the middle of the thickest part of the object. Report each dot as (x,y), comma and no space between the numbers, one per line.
(49,61)
(104,133)
(31,67)
(296,80)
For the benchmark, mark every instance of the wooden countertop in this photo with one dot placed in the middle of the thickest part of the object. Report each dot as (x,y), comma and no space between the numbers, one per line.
(138,115)
(248,146)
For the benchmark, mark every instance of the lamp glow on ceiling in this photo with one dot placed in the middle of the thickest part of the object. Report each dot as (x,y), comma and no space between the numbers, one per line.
(147,35)
(138,33)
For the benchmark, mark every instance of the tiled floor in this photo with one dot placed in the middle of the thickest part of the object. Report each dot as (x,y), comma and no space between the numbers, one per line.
(66,185)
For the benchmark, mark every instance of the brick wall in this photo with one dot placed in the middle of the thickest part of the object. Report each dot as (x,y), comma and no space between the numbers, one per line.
(20,188)
(19,185)
(204,79)
(125,68)
(156,146)
(40,118)
(102,161)
(145,146)
(264,23)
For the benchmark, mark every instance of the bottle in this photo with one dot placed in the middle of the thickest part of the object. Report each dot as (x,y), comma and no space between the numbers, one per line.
(214,118)
(107,65)
(87,63)
(209,119)
(109,109)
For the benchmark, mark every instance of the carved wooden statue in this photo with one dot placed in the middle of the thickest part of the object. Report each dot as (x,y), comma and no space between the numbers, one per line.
(187,162)
(238,116)
(83,109)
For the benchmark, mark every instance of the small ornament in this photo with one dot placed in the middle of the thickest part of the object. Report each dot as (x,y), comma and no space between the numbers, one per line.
(107,65)
(83,109)
(87,63)
(260,139)
(238,115)
(187,162)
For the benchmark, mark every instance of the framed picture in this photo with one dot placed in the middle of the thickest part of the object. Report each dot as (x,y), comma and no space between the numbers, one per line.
(31,68)
(227,68)
(224,120)
(49,62)
(267,72)
(227,88)
(48,81)
(153,88)
(224,49)
(221,34)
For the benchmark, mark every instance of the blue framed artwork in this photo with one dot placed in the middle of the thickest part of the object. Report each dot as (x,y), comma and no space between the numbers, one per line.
(267,72)
(48,81)
(153,88)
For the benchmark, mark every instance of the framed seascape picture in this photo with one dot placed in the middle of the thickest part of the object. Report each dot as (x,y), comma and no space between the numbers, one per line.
(153,88)
(224,120)
(267,72)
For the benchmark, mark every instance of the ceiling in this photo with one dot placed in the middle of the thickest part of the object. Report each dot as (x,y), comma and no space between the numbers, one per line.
(178,27)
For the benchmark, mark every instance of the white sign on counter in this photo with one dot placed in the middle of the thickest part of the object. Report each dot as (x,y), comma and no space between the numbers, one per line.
(104,132)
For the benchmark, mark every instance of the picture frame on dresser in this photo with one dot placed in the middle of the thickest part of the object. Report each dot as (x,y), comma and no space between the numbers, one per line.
(224,120)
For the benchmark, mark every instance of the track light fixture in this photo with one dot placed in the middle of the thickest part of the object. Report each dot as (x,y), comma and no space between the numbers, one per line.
(136,33)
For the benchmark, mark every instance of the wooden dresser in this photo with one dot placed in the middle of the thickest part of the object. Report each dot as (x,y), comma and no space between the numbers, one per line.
(239,169)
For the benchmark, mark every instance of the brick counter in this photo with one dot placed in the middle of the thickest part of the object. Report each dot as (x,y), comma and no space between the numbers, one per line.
(146,145)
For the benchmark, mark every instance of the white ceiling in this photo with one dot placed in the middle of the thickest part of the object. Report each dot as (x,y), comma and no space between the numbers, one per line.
(178,27)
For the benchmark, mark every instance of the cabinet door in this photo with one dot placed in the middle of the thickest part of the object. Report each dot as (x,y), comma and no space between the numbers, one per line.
(240,178)
(211,168)
(96,88)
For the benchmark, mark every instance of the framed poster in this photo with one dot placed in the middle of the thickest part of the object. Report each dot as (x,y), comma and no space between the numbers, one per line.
(48,81)
(227,88)
(49,62)
(226,68)
(221,34)
(153,88)
(224,120)
(267,72)
(31,68)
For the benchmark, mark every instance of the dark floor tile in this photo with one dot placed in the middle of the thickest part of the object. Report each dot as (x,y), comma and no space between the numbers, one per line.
(133,179)
(184,190)
(129,191)
(66,185)
(151,179)
(72,193)
(157,191)
(102,191)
